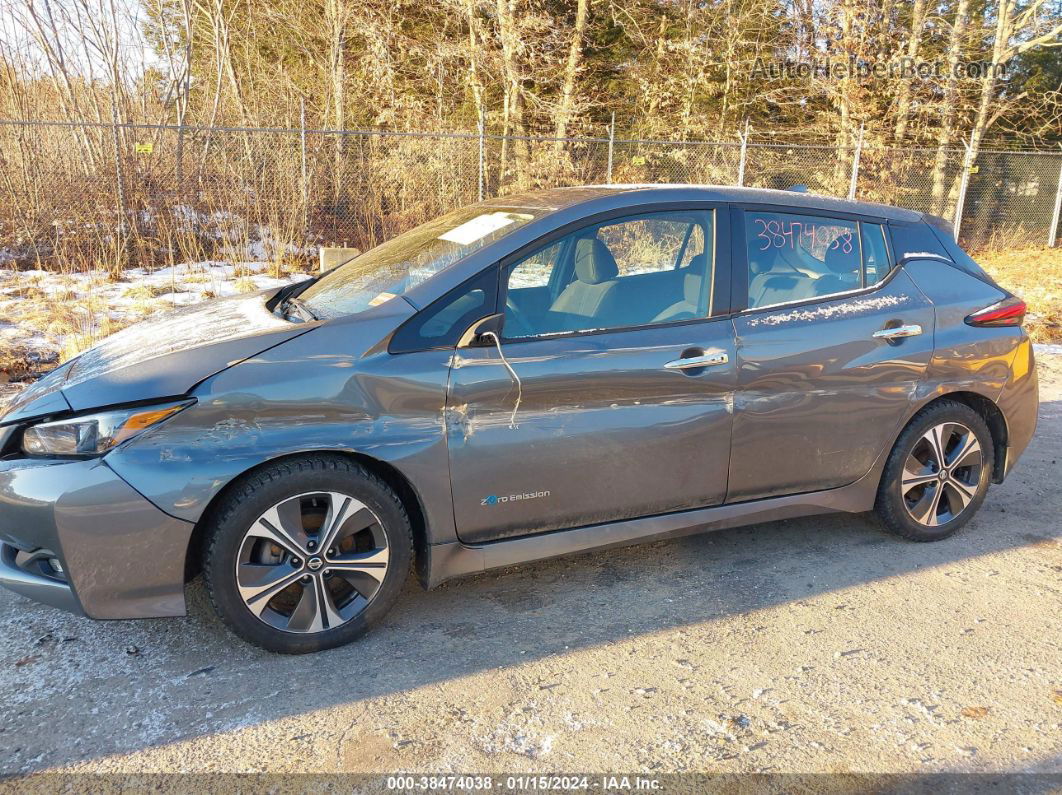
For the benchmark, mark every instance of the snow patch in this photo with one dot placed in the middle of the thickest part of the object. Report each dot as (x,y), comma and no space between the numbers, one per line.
(1048,349)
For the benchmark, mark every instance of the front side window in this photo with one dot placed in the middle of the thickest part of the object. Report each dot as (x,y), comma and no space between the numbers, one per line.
(654,243)
(795,257)
(647,269)
(400,264)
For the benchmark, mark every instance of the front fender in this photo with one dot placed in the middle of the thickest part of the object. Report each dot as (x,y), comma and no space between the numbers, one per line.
(310,394)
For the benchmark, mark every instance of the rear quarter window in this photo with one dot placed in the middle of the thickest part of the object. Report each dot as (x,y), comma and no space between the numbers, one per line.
(910,239)
(960,257)
(931,238)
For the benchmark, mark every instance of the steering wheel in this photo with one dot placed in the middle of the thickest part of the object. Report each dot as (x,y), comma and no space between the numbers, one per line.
(516,322)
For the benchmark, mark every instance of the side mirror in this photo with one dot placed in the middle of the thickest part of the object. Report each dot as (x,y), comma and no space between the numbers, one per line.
(477,333)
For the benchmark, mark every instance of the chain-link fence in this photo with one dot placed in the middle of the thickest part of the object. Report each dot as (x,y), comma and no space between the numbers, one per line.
(76,195)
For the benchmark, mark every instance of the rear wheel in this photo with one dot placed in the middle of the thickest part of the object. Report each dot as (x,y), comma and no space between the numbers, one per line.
(937,474)
(307,554)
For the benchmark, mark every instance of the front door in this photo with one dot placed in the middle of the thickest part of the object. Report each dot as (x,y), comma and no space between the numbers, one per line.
(830,352)
(609,394)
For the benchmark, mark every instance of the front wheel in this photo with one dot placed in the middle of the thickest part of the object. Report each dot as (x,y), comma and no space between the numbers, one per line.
(937,474)
(307,554)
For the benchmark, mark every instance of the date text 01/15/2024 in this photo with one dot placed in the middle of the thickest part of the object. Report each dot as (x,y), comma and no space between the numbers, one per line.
(523,783)
(494,499)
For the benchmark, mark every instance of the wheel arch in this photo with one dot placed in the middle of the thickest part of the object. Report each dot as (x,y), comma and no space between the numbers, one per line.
(990,412)
(388,473)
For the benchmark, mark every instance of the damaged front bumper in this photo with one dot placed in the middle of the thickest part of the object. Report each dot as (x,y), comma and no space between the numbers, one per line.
(33,573)
(76,536)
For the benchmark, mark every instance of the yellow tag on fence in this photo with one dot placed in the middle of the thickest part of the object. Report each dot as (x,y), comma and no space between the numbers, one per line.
(144,149)
(638,160)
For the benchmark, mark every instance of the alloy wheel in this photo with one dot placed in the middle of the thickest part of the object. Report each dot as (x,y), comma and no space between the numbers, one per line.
(941,474)
(312,562)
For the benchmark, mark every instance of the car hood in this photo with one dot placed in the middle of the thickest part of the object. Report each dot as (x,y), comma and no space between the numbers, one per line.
(161,357)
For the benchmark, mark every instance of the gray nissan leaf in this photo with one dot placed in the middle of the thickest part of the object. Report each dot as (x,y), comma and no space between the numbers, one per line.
(528,377)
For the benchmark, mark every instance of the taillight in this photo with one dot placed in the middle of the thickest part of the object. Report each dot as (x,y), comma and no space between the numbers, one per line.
(1008,312)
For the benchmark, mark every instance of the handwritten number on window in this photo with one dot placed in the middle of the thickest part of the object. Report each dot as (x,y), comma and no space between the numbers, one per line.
(774,233)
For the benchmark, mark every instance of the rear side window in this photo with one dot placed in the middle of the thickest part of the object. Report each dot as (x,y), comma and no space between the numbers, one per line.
(798,257)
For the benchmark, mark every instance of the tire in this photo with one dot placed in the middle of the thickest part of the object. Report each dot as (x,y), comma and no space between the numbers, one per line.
(916,500)
(268,575)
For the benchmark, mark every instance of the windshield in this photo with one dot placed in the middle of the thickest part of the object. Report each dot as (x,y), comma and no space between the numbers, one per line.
(394,267)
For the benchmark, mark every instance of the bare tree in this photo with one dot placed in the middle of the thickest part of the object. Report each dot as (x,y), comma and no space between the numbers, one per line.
(903,97)
(513,112)
(337,20)
(949,104)
(1017,30)
(571,70)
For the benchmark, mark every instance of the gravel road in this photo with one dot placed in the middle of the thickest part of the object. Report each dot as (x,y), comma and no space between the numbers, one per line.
(814,645)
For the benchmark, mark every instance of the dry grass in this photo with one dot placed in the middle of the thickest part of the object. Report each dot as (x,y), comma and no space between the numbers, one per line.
(146,291)
(76,321)
(246,285)
(19,362)
(80,324)
(1035,274)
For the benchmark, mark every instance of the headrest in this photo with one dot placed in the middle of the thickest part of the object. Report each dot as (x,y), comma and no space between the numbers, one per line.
(691,288)
(840,261)
(759,265)
(594,263)
(698,263)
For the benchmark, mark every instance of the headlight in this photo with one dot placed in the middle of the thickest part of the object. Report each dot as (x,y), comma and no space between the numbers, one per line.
(95,434)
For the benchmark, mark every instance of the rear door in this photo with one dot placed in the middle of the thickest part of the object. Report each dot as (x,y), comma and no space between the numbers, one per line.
(610,392)
(830,349)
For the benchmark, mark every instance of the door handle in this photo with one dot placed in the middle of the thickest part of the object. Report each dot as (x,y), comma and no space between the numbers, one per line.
(899,332)
(707,360)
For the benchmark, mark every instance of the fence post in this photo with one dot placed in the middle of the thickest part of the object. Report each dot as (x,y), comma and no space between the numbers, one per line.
(1054,216)
(741,161)
(611,146)
(302,153)
(120,184)
(482,155)
(960,202)
(855,166)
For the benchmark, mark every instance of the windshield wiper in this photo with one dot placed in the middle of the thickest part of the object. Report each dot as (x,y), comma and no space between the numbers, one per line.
(301,309)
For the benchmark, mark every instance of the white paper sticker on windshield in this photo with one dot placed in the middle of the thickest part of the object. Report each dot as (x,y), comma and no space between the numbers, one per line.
(379,299)
(480,226)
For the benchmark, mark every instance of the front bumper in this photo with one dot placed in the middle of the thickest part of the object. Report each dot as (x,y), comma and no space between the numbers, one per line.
(30,581)
(120,556)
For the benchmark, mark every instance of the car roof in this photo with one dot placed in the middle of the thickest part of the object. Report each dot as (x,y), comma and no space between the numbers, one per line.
(563,198)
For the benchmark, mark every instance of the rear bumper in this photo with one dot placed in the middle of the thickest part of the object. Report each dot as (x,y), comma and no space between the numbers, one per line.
(119,555)
(1020,403)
